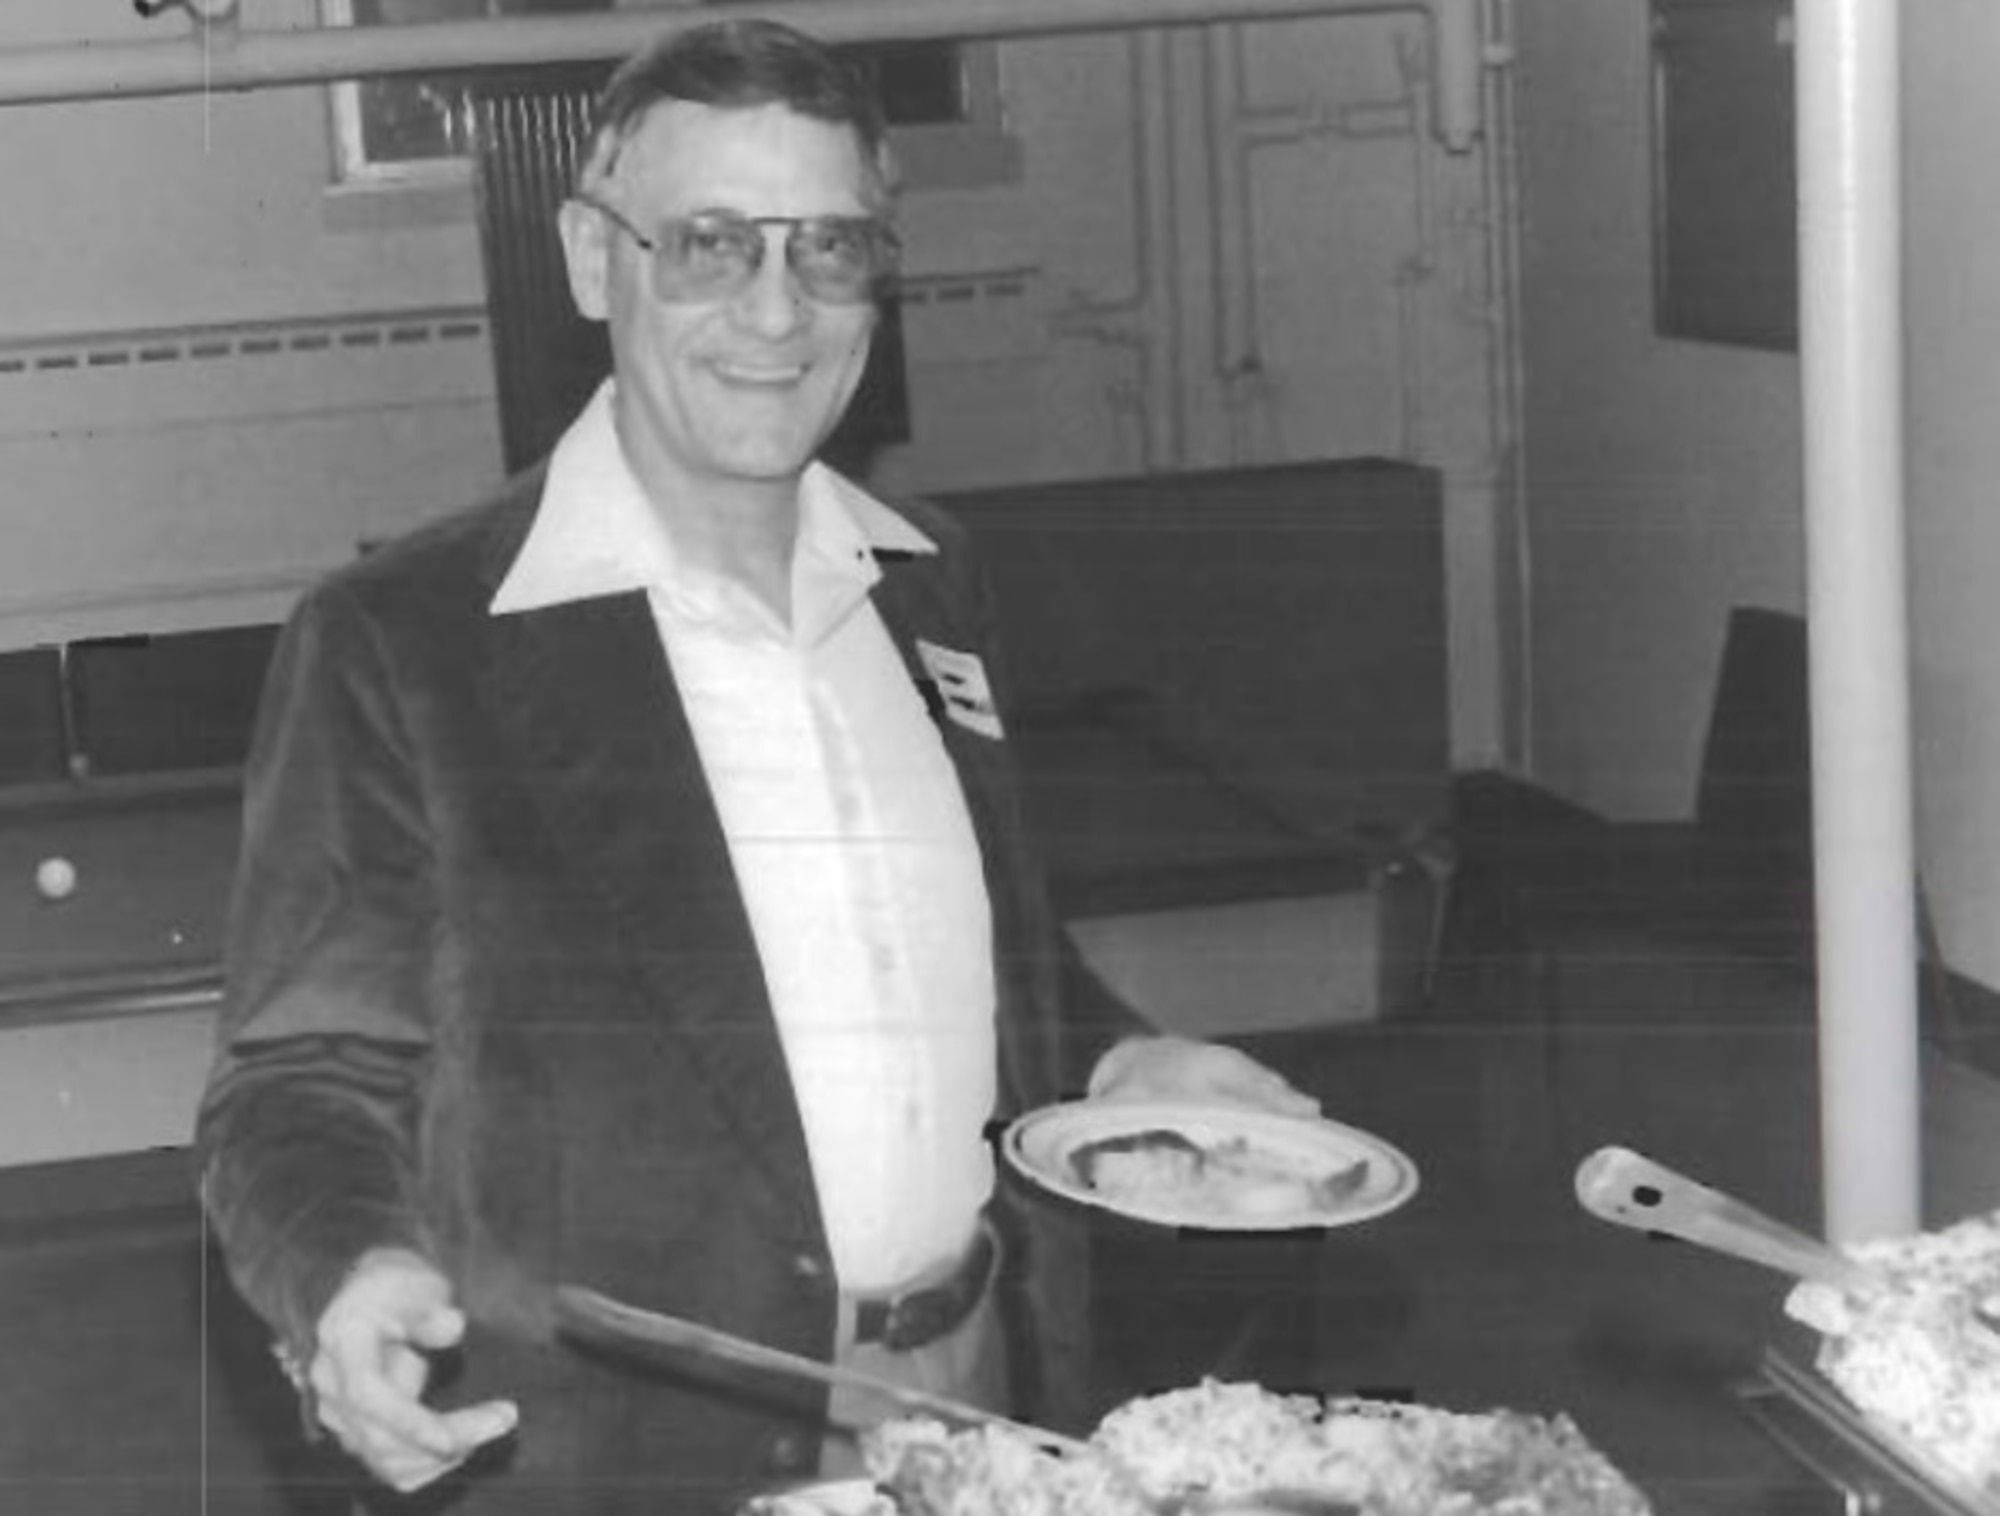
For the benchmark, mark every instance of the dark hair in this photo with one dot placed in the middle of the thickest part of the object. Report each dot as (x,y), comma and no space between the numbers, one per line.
(739,65)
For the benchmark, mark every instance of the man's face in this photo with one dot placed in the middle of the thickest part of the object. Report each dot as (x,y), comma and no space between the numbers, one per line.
(748,385)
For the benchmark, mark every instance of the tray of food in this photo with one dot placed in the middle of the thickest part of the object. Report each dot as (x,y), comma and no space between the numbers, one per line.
(1207,1166)
(1218,1447)
(1906,1358)
(1866,1466)
(1906,1348)
(833,1497)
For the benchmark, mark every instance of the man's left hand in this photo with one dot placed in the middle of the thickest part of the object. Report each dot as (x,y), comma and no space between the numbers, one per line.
(1184,1069)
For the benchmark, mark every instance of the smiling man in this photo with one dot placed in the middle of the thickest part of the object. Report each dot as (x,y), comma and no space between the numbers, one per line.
(735,255)
(634,892)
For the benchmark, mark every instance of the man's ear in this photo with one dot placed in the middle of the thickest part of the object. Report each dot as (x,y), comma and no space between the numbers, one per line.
(586,240)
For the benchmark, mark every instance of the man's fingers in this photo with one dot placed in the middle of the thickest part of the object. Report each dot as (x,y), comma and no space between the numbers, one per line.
(406,1444)
(1274,1092)
(1232,1074)
(377,1337)
(474,1426)
(440,1327)
(370,1398)
(407,1371)
(407,1420)
(1179,1068)
(446,1438)
(461,1434)
(405,1469)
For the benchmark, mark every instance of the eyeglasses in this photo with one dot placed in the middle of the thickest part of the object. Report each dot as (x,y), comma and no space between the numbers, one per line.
(712,255)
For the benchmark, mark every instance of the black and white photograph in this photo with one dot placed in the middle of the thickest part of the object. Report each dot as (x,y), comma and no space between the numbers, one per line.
(999,758)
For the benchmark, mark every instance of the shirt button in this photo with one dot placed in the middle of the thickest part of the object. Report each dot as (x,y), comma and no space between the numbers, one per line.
(808,1266)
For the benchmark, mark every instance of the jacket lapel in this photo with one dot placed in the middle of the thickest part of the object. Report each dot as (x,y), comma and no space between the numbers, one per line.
(593,724)
(916,605)
(918,600)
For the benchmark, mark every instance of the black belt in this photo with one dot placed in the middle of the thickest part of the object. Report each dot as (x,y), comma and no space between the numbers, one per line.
(903,1322)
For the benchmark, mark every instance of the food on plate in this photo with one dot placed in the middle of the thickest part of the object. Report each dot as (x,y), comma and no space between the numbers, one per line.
(845,1497)
(1231,1177)
(1231,1440)
(1910,1348)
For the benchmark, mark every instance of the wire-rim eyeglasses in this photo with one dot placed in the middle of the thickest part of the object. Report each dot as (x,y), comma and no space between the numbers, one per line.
(715,254)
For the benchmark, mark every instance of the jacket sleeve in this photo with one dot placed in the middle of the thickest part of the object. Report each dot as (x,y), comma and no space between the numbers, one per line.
(308,1131)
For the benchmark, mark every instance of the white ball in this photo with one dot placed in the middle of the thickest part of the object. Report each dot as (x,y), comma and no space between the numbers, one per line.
(55,878)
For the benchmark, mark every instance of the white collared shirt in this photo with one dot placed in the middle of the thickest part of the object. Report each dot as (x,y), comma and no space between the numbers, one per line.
(847,829)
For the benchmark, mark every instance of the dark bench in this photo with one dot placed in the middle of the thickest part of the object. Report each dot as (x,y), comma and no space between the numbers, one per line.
(1231,713)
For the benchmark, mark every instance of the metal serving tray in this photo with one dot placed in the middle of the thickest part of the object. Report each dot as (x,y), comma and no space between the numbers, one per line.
(1874,1470)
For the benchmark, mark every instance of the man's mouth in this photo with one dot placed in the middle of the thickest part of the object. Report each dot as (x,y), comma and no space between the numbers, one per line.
(759,375)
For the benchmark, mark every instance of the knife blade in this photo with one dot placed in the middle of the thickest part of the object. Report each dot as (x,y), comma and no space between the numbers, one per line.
(592,1316)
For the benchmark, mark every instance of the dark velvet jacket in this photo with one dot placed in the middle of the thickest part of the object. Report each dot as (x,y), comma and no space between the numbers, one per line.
(493,995)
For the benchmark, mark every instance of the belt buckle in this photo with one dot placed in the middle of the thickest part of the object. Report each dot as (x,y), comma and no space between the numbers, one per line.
(919,1318)
(923,1316)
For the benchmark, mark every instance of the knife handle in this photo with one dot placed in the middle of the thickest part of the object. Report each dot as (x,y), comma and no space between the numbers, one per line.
(590,1314)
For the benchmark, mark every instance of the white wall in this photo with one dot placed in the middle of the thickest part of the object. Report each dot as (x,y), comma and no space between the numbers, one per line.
(204,396)
(1663,482)
(1084,320)
(1662,477)
(1952,283)
(218,375)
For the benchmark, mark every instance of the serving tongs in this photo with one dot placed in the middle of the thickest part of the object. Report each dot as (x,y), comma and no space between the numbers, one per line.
(1630,1189)
(592,1317)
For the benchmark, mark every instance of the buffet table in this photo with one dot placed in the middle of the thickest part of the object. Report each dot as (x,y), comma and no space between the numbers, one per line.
(1489,1288)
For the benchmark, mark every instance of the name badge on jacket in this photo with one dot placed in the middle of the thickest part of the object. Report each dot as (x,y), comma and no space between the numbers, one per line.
(962,686)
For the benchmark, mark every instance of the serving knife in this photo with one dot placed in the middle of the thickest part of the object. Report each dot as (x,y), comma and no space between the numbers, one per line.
(586,1314)
(594,1317)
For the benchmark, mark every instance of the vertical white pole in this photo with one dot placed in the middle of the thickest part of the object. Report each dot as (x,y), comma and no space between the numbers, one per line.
(1851,365)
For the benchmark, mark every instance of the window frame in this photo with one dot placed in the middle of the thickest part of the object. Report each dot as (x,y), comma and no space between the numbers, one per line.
(975,150)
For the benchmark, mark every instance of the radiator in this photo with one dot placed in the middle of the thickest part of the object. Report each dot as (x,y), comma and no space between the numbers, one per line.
(528,136)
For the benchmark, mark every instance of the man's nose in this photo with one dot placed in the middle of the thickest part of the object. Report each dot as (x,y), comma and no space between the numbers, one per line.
(773,303)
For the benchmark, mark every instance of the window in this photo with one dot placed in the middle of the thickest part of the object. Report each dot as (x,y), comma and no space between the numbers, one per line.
(1725,190)
(942,100)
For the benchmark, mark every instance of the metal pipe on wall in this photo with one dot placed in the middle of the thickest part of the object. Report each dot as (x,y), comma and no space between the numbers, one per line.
(1458,60)
(1851,370)
(1144,319)
(1419,265)
(1501,177)
(1456,65)
(1158,251)
(1235,330)
(227,57)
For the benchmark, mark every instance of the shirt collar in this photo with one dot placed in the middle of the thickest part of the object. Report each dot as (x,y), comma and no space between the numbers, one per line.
(596,533)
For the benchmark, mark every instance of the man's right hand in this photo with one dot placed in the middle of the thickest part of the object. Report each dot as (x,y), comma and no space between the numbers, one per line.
(375,1338)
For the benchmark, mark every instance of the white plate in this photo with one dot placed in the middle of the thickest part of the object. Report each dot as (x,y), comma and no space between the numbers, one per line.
(838,1497)
(1042,1144)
